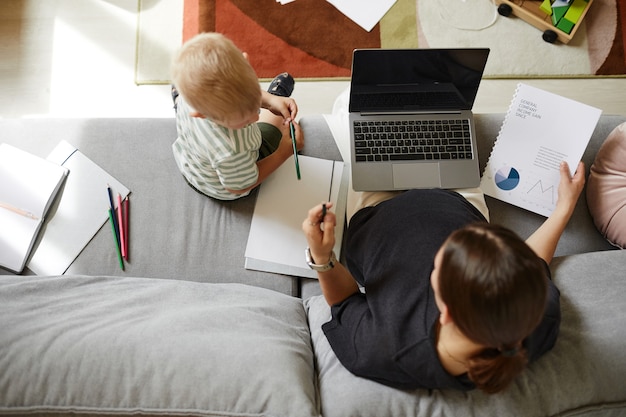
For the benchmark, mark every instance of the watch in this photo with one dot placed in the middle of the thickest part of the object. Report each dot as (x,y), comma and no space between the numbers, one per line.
(320,268)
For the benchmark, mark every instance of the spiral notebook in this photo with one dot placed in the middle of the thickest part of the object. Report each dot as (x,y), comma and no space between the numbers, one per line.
(540,130)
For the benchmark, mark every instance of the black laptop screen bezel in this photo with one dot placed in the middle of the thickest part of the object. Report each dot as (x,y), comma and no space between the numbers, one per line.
(398,70)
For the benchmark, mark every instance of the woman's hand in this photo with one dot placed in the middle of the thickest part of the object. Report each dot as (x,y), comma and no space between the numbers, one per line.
(319,229)
(337,283)
(545,239)
(570,188)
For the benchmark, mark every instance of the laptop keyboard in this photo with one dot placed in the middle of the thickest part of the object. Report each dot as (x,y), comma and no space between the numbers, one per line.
(411,140)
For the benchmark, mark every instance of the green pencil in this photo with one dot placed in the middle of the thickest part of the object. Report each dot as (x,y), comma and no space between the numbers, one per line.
(117,244)
(292,130)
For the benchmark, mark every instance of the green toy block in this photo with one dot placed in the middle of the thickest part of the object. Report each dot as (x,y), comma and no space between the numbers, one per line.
(546,7)
(557,14)
(575,10)
(565,25)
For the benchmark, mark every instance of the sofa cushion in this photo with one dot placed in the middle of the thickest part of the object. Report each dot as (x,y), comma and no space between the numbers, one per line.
(606,188)
(582,375)
(174,231)
(105,345)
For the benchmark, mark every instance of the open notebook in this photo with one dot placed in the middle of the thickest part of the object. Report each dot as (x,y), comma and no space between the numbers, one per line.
(81,211)
(28,187)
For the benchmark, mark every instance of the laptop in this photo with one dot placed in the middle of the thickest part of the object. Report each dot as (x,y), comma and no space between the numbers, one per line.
(411,124)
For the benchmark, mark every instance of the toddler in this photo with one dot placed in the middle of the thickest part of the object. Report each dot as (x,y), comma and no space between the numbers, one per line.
(231,134)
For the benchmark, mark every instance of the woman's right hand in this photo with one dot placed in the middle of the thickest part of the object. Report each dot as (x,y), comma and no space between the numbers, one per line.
(320,232)
(337,283)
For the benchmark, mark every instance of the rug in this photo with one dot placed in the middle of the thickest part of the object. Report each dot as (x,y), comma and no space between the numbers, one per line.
(159,36)
(312,39)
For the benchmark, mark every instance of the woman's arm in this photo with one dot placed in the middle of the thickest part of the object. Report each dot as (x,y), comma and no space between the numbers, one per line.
(337,283)
(544,240)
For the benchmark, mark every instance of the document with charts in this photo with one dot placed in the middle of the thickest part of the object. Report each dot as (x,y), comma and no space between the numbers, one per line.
(540,130)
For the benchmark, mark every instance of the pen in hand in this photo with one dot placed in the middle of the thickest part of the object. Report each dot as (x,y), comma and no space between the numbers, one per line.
(292,132)
(323,215)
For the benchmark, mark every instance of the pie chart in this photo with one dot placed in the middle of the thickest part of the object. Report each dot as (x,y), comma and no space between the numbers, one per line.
(507,178)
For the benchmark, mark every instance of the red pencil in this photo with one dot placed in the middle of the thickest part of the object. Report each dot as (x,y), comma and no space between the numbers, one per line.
(126,206)
(121,225)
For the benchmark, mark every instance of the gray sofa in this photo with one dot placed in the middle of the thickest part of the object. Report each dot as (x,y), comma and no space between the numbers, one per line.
(185,330)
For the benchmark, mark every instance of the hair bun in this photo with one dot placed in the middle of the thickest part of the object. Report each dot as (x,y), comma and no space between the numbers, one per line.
(509,353)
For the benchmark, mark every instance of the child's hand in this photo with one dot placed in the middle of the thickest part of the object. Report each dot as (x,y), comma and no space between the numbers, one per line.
(299,136)
(285,142)
(285,107)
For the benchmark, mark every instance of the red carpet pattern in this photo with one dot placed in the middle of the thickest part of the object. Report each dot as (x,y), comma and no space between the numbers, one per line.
(312,39)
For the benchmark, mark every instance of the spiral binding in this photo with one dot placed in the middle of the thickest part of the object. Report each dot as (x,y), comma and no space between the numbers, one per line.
(506,119)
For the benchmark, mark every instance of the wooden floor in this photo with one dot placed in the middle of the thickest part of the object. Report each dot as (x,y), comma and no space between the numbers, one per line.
(76,58)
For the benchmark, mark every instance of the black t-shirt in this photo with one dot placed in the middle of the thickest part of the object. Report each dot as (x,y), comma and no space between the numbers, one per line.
(388,334)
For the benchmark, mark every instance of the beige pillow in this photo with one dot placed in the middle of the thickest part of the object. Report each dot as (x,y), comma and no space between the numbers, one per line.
(606,188)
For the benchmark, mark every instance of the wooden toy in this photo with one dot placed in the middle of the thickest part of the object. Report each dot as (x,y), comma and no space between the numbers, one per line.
(558,19)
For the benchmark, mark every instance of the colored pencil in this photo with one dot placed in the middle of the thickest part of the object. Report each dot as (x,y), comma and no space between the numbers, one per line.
(117,244)
(292,132)
(120,224)
(126,207)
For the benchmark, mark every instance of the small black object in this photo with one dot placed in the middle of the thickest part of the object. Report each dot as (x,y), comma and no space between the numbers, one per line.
(505,10)
(549,36)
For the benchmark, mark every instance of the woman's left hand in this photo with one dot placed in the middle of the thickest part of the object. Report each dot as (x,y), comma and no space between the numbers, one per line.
(570,187)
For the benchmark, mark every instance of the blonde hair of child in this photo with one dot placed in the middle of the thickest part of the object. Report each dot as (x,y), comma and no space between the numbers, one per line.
(214,77)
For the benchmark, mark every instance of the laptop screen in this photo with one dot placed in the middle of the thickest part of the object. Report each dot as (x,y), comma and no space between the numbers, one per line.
(388,80)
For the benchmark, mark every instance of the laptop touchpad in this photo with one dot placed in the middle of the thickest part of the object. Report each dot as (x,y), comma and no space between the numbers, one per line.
(416,176)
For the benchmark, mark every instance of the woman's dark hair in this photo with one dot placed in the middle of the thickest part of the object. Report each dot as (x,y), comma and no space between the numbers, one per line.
(495,288)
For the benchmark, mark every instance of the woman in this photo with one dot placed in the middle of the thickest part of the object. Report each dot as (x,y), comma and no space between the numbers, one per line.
(449,300)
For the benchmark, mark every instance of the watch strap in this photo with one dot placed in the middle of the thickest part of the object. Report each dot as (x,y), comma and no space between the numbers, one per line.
(320,267)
